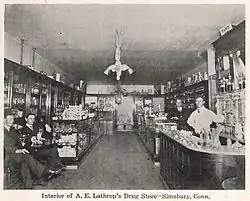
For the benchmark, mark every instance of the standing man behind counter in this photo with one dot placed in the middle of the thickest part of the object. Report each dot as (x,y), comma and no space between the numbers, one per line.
(202,118)
(180,114)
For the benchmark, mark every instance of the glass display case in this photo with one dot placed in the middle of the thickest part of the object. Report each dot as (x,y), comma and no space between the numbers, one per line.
(106,112)
(7,88)
(74,138)
(19,89)
(67,97)
(66,133)
(229,77)
(53,101)
(35,95)
(44,101)
(26,90)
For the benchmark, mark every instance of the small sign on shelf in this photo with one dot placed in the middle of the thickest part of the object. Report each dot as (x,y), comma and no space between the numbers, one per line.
(225,29)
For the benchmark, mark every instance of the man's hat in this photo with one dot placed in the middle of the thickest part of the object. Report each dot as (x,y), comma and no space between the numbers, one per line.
(8,112)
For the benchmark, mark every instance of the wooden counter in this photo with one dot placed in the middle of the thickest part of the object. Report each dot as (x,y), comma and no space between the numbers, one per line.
(146,133)
(184,165)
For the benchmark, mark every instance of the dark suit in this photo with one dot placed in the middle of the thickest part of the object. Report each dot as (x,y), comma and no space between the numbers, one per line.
(23,163)
(44,153)
(182,117)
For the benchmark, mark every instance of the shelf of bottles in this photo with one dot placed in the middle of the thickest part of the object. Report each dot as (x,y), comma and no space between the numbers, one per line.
(76,99)
(53,102)
(67,98)
(19,90)
(7,88)
(26,90)
(232,106)
(188,94)
(227,84)
(44,99)
(35,90)
(230,74)
(180,83)
(63,101)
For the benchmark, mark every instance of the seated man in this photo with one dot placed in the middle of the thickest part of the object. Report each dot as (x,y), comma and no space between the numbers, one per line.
(48,153)
(15,156)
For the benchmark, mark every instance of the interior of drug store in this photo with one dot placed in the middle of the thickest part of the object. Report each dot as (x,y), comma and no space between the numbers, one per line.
(108,87)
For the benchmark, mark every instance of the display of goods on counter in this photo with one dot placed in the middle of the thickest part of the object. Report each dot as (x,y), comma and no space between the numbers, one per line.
(64,128)
(67,151)
(165,127)
(58,112)
(68,140)
(71,112)
(189,140)
(231,131)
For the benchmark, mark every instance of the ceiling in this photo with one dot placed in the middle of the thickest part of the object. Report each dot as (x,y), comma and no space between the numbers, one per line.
(158,41)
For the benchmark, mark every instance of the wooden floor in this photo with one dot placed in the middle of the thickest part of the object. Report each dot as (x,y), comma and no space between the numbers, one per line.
(116,162)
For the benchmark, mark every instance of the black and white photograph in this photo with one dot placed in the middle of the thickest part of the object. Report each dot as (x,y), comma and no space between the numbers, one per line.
(124,97)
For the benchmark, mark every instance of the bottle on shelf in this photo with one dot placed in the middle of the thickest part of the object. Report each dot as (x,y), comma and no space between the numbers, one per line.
(230,84)
(205,76)
(222,85)
(241,81)
(35,89)
(226,84)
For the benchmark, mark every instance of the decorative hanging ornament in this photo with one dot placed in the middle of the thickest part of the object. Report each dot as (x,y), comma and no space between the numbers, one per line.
(118,67)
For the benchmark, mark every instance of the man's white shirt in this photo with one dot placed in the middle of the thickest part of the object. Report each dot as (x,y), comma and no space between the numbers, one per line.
(202,117)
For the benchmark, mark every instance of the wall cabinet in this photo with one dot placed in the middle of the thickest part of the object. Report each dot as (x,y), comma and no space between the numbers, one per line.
(28,91)
(188,95)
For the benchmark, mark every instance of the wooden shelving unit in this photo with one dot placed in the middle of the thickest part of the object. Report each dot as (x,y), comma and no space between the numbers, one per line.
(30,91)
(188,95)
(230,102)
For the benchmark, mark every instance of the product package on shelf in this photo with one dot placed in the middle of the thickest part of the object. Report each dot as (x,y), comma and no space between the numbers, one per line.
(71,112)
(19,88)
(64,128)
(67,152)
